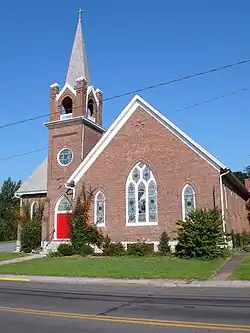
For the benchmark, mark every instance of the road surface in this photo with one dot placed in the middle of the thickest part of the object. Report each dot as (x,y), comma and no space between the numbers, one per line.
(8,247)
(46,308)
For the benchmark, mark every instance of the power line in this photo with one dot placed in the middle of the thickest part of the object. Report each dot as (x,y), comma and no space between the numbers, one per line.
(139,90)
(176,110)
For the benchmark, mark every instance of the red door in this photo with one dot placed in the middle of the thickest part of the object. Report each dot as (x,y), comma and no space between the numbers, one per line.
(63,230)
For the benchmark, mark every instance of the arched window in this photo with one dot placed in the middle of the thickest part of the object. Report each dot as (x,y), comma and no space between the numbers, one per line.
(33,208)
(66,108)
(141,193)
(99,209)
(188,200)
(90,107)
(64,204)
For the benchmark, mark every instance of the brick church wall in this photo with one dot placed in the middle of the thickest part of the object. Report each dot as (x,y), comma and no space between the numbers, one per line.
(174,164)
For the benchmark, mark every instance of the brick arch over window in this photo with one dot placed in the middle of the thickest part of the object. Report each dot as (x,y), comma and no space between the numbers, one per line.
(63,208)
(141,196)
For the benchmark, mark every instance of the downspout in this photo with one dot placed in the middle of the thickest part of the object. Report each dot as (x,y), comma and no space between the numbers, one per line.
(222,199)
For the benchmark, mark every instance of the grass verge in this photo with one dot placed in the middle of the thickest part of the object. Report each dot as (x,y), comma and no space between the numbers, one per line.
(11,255)
(122,267)
(242,272)
(7,242)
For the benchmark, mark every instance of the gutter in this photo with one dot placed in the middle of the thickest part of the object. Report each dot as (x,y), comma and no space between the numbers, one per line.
(222,200)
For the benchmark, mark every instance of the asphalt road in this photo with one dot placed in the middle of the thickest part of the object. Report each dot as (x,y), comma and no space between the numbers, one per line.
(44,308)
(8,247)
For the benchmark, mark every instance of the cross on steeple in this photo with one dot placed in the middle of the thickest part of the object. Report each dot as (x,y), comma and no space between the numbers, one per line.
(79,12)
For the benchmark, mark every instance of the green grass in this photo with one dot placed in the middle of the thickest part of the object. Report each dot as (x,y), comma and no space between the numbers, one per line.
(11,255)
(7,242)
(123,267)
(243,271)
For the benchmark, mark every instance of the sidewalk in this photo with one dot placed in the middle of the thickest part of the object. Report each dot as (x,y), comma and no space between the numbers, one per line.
(28,257)
(143,282)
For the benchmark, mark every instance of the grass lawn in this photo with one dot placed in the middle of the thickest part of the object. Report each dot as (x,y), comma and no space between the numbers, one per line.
(7,242)
(11,255)
(243,271)
(123,267)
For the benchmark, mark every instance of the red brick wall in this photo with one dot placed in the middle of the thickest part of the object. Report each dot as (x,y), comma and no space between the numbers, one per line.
(174,164)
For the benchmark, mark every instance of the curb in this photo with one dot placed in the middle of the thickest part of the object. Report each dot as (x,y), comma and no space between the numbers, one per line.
(143,282)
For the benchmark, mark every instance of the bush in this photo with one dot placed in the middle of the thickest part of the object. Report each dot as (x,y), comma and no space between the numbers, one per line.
(163,246)
(201,235)
(86,250)
(105,245)
(115,250)
(65,249)
(31,229)
(139,249)
(53,254)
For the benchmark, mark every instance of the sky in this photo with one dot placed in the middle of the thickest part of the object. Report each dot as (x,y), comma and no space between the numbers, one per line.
(130,45)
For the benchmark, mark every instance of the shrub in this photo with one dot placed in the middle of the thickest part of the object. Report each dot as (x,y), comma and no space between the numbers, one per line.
(201,235)
(139,249)
(163,246)
(53,254)
(115,250)
(65,249)
(86,250)
(81,232)
(105,245)
(30,228)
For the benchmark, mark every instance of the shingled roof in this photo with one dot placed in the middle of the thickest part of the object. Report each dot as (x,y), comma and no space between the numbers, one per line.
(37,182)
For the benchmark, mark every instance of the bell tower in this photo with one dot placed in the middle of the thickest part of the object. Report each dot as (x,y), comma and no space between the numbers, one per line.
(75,124)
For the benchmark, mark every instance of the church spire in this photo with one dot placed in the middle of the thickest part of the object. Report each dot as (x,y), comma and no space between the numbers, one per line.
(78,66)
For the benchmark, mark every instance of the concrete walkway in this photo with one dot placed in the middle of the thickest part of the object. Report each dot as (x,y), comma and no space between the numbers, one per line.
(227,269)
(29,257)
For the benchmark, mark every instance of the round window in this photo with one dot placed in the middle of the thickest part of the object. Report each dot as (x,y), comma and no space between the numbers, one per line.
(65,156)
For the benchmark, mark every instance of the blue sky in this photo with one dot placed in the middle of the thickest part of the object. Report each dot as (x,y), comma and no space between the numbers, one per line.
(130,44)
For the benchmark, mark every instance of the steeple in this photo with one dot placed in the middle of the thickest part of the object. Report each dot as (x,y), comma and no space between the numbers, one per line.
(78,65)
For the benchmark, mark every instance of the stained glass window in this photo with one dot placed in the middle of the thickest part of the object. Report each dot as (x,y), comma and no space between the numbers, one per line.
(188,200)
(65,204)
(131,202)
(152,201)
(141,195)
(34,208)
(65,156)
(100,208)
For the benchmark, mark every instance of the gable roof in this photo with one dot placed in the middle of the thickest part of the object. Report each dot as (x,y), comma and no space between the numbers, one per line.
(37,182)
(136,102)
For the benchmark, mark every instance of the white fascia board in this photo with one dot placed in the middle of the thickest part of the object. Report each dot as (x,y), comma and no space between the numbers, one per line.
(136,102)
(63,89)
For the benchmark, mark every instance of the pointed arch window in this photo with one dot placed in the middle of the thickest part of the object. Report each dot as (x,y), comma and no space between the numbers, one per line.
(33,209)
(100,209)
(188,200)
(64,204)
(141,193)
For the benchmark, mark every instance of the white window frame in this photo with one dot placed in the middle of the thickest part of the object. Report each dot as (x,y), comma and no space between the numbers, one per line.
(130,180)
(58,155)
(99,225)
(183,199)
(32,209)
(55,217)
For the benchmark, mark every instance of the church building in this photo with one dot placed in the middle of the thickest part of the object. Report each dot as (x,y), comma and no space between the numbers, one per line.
(147,173)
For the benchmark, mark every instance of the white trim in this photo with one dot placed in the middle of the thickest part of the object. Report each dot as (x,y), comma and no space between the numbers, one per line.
(146,184)
(54,85)
(222,200)
(89,90)
(66,86)
(136,102)
(74,120)
(31,209)
(55,218)
(183,199)
(100,225)
(32,192)
(58,155)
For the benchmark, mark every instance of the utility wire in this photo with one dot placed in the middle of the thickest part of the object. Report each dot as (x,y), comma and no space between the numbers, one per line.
(177,110)
(140,90)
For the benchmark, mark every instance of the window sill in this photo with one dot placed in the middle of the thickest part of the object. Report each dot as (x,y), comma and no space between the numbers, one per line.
(141,224)
(101,225)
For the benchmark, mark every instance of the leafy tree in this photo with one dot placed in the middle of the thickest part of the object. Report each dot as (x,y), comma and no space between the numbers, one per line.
(82,233)
(242,175)
(9,208)
(201,235)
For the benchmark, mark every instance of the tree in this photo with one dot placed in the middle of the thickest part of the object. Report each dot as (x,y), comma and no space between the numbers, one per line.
(9,208)
(82,233)
(242,175)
